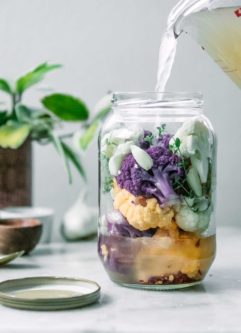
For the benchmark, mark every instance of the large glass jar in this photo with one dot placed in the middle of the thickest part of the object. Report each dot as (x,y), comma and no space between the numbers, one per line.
(157,154)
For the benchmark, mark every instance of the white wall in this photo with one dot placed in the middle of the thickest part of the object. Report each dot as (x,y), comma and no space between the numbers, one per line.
(110,44)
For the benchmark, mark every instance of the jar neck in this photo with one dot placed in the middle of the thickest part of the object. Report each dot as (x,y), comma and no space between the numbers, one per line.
(152,105)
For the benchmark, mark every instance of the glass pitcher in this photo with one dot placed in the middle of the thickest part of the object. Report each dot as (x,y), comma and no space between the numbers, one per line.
(216,26)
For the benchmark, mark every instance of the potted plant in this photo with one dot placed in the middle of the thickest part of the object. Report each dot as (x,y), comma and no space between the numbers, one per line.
(21,124)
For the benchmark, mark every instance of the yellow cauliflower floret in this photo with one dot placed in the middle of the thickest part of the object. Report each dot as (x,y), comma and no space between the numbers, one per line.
(140,212)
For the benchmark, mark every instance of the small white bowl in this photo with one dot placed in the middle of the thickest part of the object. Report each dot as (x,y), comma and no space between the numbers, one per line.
(44,215)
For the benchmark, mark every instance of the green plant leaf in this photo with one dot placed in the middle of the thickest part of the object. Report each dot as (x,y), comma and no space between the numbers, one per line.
(13,135)
(5,86)
(41,123)
(66,107)
(23,114)
(178,143)
(161,129)
(74,158)
(3,117)
(149,139)
(26,114)
(59,147)
(92,128)
(103,113)
(88,136)
(35,76)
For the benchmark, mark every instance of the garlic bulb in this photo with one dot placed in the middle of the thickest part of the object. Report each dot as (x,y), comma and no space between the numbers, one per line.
(80,221)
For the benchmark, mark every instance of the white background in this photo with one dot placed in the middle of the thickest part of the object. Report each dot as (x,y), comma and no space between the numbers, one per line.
(113,45)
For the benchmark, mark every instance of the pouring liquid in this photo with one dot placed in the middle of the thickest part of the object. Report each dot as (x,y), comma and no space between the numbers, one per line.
(218,31)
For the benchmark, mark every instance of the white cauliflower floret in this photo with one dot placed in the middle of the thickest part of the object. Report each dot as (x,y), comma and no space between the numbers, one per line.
(195,143)
(116,144)
(115,161)
(190,221)
(113,139)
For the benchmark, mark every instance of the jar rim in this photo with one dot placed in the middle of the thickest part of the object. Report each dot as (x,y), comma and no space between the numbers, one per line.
(149,99)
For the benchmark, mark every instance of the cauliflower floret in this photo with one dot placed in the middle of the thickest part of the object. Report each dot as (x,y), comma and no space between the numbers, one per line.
(170,252)
(171,232)
(140,212)
(190,221)
(196,142)
(111,140)
(116,159)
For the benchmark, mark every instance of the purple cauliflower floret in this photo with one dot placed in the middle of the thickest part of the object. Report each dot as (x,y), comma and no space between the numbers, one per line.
(124,229)
(162,155)
(163,141)
(117,225)
(115,248)
(117,253)
(147,133)
(158,181)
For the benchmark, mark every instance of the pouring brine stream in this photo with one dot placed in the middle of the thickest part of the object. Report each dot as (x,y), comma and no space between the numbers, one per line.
(218,31)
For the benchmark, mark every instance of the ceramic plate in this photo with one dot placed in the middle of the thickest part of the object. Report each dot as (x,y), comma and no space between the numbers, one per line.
(48,293)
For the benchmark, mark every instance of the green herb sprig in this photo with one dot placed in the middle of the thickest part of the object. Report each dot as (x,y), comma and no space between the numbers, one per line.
(161,129)
(149,139)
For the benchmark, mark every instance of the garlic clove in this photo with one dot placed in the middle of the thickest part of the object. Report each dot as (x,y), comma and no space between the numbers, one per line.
(142,158)
(80,221)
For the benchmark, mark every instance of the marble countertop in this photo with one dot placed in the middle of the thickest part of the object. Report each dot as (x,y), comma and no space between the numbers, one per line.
(214,306)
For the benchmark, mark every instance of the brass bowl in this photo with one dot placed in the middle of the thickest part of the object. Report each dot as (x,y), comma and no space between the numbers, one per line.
(19,235)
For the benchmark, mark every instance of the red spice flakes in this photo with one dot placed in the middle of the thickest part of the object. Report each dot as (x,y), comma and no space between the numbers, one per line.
(237,12)
(178,278)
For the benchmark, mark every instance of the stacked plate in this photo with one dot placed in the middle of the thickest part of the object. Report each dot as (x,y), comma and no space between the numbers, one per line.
(48,293)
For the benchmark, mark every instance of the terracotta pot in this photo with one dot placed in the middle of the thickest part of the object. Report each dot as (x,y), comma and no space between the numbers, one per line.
(16,176)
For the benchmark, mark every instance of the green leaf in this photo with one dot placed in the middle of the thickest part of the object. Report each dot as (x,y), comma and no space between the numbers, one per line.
(3,117)
(103,113)
(178,143)
(88,136)
(5,86)
(33,77)
(23,114)
(13,135)
(74,158)
(66,107)
(175,147)
(59,147)
(28,115)
(107,184)
(91,130)
(161,129)
(41,123)
(149,139)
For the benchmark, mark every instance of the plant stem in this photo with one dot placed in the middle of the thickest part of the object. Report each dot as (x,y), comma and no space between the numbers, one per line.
(67,135)
(70,134)
(183,187)
(15,100)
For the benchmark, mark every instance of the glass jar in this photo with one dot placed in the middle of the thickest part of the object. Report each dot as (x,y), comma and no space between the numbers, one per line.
(157,154)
